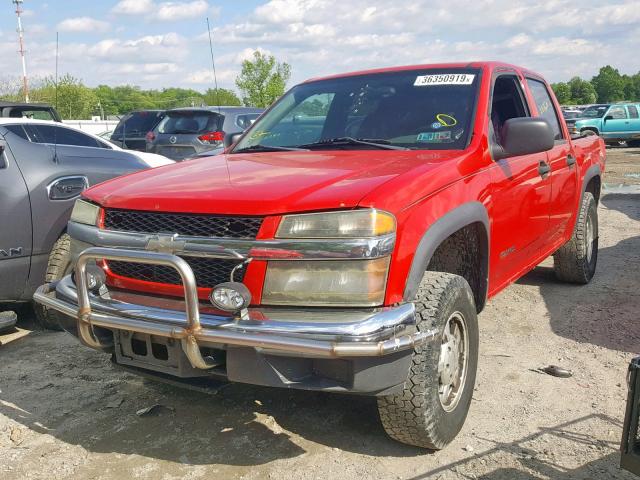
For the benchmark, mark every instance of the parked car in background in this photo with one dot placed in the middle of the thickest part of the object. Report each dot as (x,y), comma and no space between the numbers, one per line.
(132,129)
(186,132)
(44,167)
(346,251)
(36,111)
(106,135)
(618,122)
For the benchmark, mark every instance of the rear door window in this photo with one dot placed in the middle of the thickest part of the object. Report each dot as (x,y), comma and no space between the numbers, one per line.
(633,111)
(18,130)
(545,106)
(190,122)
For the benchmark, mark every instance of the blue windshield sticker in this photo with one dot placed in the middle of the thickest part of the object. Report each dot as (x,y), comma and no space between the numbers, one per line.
(436,125)
(434,137)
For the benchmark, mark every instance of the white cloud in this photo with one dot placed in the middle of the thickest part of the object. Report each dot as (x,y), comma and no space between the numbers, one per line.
(83,24)
(164,11)
(133,7)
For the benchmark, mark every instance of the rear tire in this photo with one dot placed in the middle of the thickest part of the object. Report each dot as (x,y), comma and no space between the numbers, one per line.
(432,407)
(575,261)
(59,265)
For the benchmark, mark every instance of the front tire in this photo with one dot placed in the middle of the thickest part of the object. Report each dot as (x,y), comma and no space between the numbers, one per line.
(59,265)
(432,407)
(575,261)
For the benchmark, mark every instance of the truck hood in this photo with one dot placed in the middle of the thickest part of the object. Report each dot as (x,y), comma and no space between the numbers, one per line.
(262,183)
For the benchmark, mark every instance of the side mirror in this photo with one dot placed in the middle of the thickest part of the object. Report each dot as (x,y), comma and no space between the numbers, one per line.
(524,136)
(231,138)
(608,117)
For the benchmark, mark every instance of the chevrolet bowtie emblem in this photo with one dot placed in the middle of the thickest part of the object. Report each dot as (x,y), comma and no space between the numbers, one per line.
(165,243)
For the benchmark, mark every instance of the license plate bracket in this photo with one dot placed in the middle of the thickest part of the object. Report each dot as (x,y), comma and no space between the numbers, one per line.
(160,354)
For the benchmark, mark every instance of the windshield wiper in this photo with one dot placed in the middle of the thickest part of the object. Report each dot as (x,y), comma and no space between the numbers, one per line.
(270,148)
(372,142)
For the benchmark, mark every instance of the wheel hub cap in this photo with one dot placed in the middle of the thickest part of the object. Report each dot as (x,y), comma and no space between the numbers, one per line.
(590,239)
(452,365)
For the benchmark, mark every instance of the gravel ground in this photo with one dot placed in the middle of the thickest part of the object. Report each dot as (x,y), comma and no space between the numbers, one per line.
(65,412)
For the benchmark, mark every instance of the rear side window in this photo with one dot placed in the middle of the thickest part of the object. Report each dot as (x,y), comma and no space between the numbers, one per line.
(545,106)
(61,136)
(633,111)
(190,122)
(246,120)
(138,123)
(18,130)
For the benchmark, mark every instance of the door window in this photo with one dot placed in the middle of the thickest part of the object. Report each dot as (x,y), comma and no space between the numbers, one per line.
(507,102)
(618,112)
(545,106)
(62,136)
(633,111)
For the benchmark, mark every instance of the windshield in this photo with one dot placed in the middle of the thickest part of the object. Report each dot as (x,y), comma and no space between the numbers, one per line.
(137,123)
(418,109)
(191,122)
(596,111)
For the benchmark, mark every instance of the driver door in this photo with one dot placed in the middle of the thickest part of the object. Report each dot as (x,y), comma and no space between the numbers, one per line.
(521,191)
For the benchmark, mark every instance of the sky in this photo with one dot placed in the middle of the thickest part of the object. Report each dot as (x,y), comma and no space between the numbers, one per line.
(159,44)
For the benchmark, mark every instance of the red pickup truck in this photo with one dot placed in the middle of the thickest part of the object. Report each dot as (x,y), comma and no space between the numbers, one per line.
(346,242)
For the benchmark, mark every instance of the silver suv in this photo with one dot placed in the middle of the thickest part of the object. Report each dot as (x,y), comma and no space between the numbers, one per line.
(186,132)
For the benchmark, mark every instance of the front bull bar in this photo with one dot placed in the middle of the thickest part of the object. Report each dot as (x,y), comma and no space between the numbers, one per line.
(192,333)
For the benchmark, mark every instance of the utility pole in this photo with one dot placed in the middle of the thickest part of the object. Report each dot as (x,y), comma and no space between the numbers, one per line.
(22,50)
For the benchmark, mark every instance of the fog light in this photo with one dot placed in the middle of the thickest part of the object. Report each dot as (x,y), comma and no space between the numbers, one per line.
(230,296)
(95,277)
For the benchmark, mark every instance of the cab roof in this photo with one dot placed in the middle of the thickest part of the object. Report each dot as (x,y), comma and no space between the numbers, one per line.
(490,65)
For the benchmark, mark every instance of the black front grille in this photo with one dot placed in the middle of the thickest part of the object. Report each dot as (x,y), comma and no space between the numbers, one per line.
(208,271)
(182,224)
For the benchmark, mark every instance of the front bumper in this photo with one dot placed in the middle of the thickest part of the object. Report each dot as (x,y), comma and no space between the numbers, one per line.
(368,338)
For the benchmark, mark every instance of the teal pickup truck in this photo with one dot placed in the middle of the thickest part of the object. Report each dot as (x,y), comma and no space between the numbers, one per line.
(613,122)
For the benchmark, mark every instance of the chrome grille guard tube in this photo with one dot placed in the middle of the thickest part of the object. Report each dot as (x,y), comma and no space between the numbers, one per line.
(394,327)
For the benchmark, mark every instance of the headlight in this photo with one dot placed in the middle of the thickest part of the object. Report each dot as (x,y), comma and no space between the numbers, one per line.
(329,283)
(85,212)
(352,223)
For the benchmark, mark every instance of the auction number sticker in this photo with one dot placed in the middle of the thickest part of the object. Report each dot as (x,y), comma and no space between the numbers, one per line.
(444,79)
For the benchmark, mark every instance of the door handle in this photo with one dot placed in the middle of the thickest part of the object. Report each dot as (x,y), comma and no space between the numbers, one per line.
(571,160)
(544,169)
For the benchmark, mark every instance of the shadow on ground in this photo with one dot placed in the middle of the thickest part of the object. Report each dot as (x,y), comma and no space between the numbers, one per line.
(532,460)
(75,395)
(604,312)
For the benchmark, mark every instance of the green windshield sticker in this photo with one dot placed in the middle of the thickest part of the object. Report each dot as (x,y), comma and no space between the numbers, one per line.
(434,137)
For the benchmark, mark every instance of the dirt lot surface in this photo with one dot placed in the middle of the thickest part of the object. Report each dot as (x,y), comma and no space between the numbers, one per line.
(66,413)
(623,166)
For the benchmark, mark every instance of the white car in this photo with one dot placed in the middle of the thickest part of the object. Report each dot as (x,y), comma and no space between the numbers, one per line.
(68,135)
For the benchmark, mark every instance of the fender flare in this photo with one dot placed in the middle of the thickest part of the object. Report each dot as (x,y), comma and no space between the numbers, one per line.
(440,230)
(592,171)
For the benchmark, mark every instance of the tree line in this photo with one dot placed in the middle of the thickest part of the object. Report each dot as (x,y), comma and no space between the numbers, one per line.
(261,81)
(606,87)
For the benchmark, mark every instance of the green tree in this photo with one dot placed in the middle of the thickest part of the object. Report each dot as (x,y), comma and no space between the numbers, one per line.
(563,92)
(262,80)
(609,84)
(73,100)
(221,97)
(582,91)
